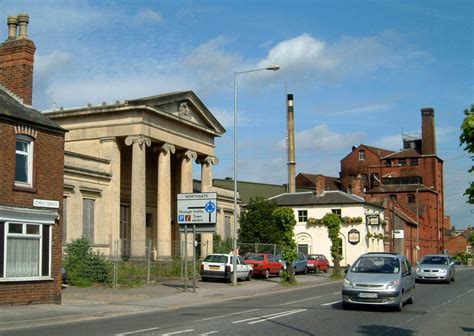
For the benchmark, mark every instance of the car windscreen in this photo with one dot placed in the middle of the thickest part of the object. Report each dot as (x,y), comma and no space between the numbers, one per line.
(313,257)
(376,264)
(256,257)
(216,258)
(434,260)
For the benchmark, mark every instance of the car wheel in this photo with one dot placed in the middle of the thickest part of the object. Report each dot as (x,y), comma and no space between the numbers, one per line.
(204,279)
(448,280)
(305,270)
(346,306)
(249,276)
(316,270)
(399,306)
(266,275)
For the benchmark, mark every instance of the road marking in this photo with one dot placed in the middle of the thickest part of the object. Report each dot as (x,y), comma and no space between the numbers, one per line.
(136,331)
(216,317)
(178,332)
(330,303)
(336,293)
(210,332)
(289,303)
(270,316)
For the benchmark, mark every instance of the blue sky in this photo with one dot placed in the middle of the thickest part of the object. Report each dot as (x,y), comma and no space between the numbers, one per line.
(360,72)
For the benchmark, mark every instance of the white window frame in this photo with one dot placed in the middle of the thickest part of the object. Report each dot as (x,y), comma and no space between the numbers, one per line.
(362,155)
(302,216)
(29,158)
(25,235)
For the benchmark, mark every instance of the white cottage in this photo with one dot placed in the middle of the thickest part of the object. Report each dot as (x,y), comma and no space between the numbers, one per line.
(362,229)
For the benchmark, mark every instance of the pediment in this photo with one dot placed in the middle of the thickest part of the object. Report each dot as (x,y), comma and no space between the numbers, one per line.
(185,106)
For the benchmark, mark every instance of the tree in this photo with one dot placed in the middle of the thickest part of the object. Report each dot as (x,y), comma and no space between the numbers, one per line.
(333,224)
(285,220)
(257,224)
(467,139)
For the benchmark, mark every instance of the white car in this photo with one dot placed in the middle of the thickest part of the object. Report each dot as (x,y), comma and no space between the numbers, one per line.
(435,267)
(220,266)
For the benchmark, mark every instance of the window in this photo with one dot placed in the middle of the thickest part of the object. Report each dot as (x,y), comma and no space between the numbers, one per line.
(411,198)
(361,155)
(25,250)
(402,162)
(388,163)
(88,219)
(413,162)
(302,216)
(24,161)
(303,248)
(337,212)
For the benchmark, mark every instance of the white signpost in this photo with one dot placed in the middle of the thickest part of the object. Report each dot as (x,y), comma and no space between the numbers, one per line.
(198,210)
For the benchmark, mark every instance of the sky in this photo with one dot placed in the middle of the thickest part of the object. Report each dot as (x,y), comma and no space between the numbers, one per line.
(360,71)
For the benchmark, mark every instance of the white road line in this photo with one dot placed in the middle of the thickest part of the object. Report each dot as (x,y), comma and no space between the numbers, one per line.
(337,293)
(270,315)
(178,332)
(330,303)
(136,331)
(274,317)
(309,299)
(210,333)
(216,317)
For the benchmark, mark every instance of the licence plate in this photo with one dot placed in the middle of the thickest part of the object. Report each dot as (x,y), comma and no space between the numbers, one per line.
(369,295)
(214,268)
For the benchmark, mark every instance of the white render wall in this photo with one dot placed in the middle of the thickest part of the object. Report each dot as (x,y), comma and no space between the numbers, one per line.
(316,236)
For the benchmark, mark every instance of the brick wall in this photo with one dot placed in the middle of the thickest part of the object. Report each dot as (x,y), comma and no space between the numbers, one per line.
(48,170)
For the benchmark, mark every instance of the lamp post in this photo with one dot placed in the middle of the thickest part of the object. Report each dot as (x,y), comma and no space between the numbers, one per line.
(234,242)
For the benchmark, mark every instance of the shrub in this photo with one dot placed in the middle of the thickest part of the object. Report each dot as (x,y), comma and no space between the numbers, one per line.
(463,257)
(85,266)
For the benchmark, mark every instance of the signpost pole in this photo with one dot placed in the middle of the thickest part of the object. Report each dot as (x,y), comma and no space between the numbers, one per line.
(194,258)
(185,257)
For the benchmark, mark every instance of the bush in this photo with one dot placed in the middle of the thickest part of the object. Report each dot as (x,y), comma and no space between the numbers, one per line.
(85,266)
(463,257)
(222,246)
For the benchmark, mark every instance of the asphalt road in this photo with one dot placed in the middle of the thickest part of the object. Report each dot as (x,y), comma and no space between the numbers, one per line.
(439,309)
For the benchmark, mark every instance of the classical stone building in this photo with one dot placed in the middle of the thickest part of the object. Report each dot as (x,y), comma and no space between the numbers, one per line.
(126,162)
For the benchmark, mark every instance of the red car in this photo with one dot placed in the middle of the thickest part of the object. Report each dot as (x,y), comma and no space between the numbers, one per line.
(317,262)
(264,264)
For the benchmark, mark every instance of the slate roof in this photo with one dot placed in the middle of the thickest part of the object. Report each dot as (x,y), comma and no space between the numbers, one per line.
(12,109)
(404,153)
(310,198)
(331,183)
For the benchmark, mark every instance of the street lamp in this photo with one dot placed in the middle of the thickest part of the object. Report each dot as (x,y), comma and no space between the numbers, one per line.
(234,242)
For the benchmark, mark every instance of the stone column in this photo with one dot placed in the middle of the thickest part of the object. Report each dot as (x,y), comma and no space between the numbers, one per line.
(138,201)
(111,220)
(207,241)
(164,217)
(186,186)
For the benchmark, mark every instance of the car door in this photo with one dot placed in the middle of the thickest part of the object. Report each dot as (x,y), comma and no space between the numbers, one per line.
(241,267)
(408,278)
(273,264)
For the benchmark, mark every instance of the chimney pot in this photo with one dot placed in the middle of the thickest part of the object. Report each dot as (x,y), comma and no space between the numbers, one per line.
(23,20)
(12,23)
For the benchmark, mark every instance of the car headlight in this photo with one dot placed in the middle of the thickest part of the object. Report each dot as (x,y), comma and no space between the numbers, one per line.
(393,284)
(443,271)
(418,270)
(347,283)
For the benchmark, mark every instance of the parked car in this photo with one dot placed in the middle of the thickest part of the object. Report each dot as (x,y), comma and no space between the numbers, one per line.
(299,265)
(385,279)
(220,266)
(317,262)
(435,267)
(264,264)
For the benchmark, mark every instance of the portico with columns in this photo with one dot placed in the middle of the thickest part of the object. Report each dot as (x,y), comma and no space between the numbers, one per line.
(145,152)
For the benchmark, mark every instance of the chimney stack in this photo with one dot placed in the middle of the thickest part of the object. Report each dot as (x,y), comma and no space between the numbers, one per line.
(428,138)
(320,184)
(291,145)
(17,58)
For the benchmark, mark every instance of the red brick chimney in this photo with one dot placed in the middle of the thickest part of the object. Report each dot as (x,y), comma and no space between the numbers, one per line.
(428,138)
(357,186)
(17,57)
(320,184)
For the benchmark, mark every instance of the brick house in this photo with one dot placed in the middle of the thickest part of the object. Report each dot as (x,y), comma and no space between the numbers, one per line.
(410,181)
(31,180)
(457,242)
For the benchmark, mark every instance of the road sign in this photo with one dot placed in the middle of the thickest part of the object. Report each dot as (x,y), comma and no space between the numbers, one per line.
(197,208)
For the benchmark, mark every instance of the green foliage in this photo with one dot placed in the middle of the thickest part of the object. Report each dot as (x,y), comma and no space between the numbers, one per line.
(467,139)
(463,257)
(222,246)
(84,266)
(344,220)
(333,224)
(285,220)
(257,224)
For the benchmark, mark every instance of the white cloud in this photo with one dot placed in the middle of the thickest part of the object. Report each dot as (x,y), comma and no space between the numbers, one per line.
(51,63)
(149,16)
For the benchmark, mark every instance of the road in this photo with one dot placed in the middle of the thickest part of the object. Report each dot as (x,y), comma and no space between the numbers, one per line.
(439,309)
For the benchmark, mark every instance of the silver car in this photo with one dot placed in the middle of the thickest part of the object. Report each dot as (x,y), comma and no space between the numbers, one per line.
(385,279)
(435,267)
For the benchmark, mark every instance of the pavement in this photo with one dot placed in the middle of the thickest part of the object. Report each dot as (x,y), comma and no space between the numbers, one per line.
(80,304)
